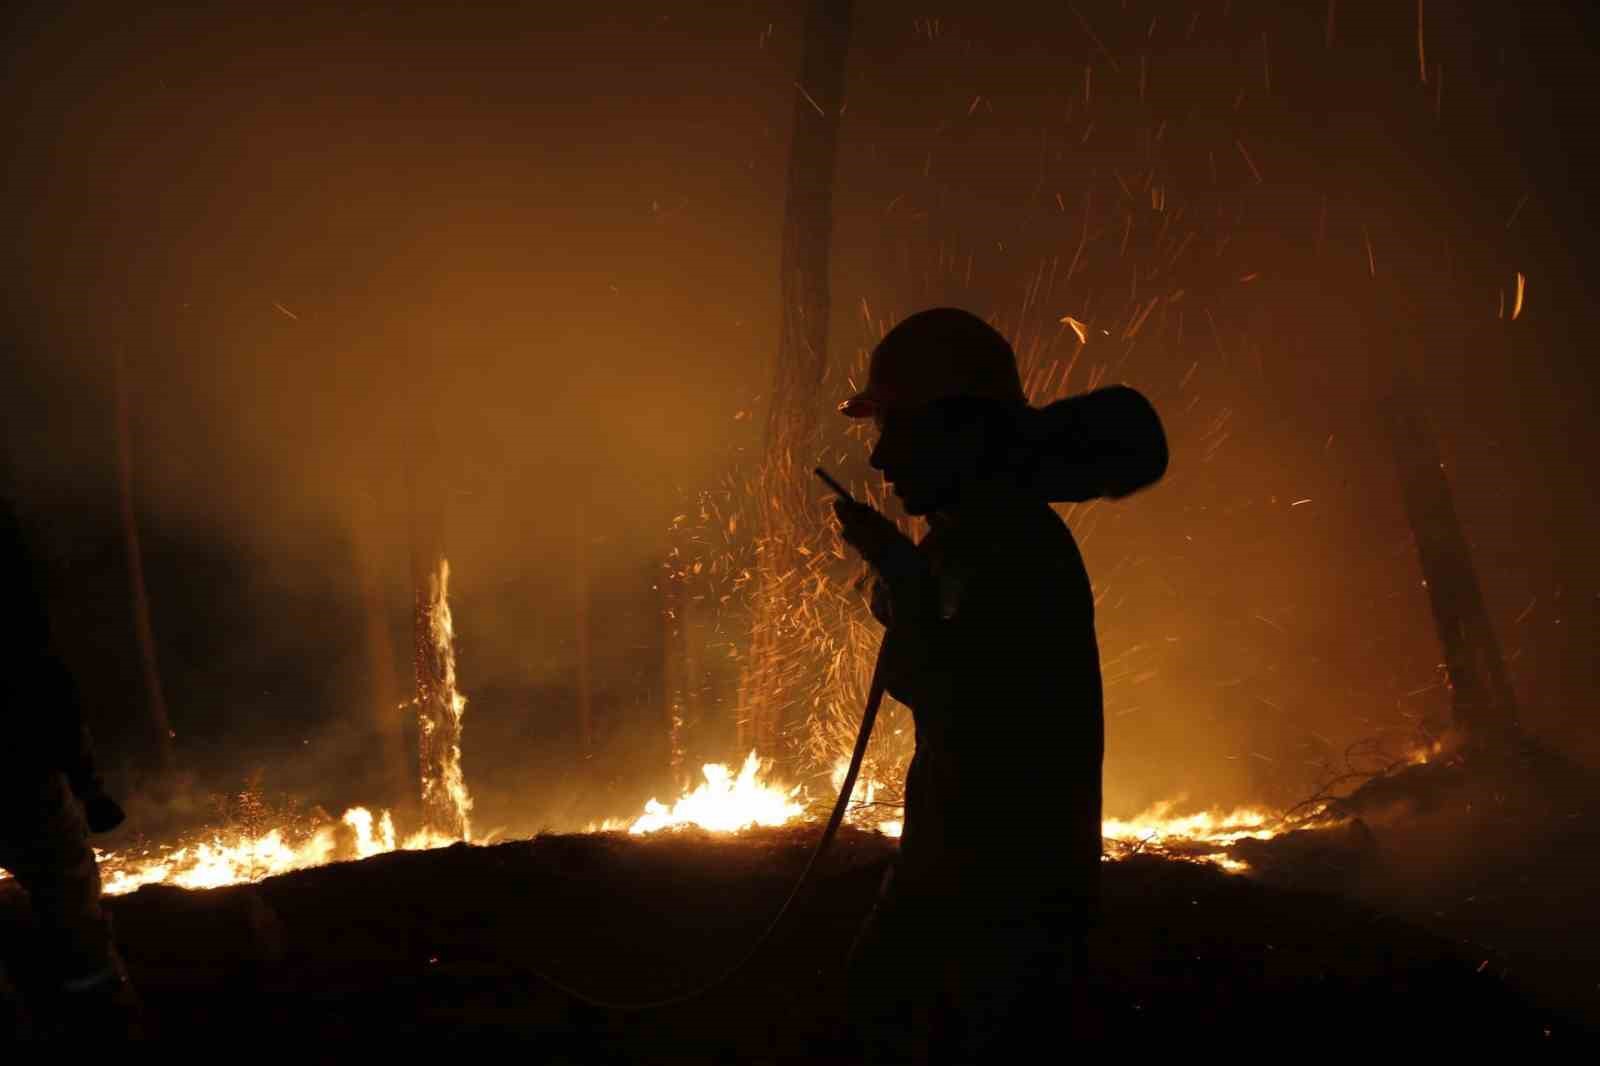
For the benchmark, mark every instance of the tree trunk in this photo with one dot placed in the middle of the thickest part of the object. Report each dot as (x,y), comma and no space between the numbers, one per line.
(155,697)
(580,592)
(442,788)
(1483,702)
(808,224)
(801,366)
(367,536)
(677,673)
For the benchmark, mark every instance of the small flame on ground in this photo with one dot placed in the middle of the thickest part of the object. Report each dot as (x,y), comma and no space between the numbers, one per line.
(1158,830)
(723,803)
(1159,825)
(726,804)
(234,857)
(241,857)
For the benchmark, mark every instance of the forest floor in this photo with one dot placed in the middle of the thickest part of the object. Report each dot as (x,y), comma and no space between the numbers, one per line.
(448,943)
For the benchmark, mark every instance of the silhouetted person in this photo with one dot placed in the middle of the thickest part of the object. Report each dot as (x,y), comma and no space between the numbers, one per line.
(51,799)
(990,642)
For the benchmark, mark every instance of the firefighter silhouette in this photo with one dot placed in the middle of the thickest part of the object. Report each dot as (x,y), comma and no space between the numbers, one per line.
(980,924)
(51,799)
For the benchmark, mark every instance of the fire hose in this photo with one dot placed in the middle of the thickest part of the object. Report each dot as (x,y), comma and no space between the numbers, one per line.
(831,830)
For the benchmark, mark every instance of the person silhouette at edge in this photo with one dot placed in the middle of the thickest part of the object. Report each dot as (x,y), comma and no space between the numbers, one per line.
(51,799)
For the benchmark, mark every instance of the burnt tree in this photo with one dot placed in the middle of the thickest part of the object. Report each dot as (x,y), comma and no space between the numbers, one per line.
(801,365)
(1482,700)
(138,592)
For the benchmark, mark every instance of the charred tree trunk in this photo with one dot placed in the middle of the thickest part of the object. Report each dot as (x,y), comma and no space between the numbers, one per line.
(387,706)
(802,360)
(155,697)
(808,224)
(675,671)
(1482,700)
(580,593)
(442,790)
(428,672)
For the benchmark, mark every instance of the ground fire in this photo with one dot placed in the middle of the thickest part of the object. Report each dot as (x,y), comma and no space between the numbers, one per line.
(362,361)
(211,859)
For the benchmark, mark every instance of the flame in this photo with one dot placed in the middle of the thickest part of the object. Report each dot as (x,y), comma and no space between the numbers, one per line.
(1157,829)
(1422,754)
(440,707)
(230,858)
(1177,836)
(723,802)
(865,809)
(727,804)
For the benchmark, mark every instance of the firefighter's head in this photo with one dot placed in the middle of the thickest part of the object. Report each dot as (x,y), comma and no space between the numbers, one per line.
(944,392)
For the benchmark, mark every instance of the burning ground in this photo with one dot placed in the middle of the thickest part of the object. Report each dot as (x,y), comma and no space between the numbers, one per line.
(342,927)
(453,941)
(1380,922)
(1254,213)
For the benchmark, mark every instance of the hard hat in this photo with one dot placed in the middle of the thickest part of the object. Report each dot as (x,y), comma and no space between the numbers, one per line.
(935,355)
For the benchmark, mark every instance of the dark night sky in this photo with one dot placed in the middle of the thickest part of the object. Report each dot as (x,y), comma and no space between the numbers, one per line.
(528,258)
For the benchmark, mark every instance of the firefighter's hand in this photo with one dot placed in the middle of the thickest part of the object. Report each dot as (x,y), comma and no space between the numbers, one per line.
(880,542)
(102,813)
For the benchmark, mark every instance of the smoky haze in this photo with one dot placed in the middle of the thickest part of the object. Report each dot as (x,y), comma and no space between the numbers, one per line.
(510,276)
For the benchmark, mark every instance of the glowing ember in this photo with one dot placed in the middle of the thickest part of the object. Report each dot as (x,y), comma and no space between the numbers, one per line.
(724,803)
